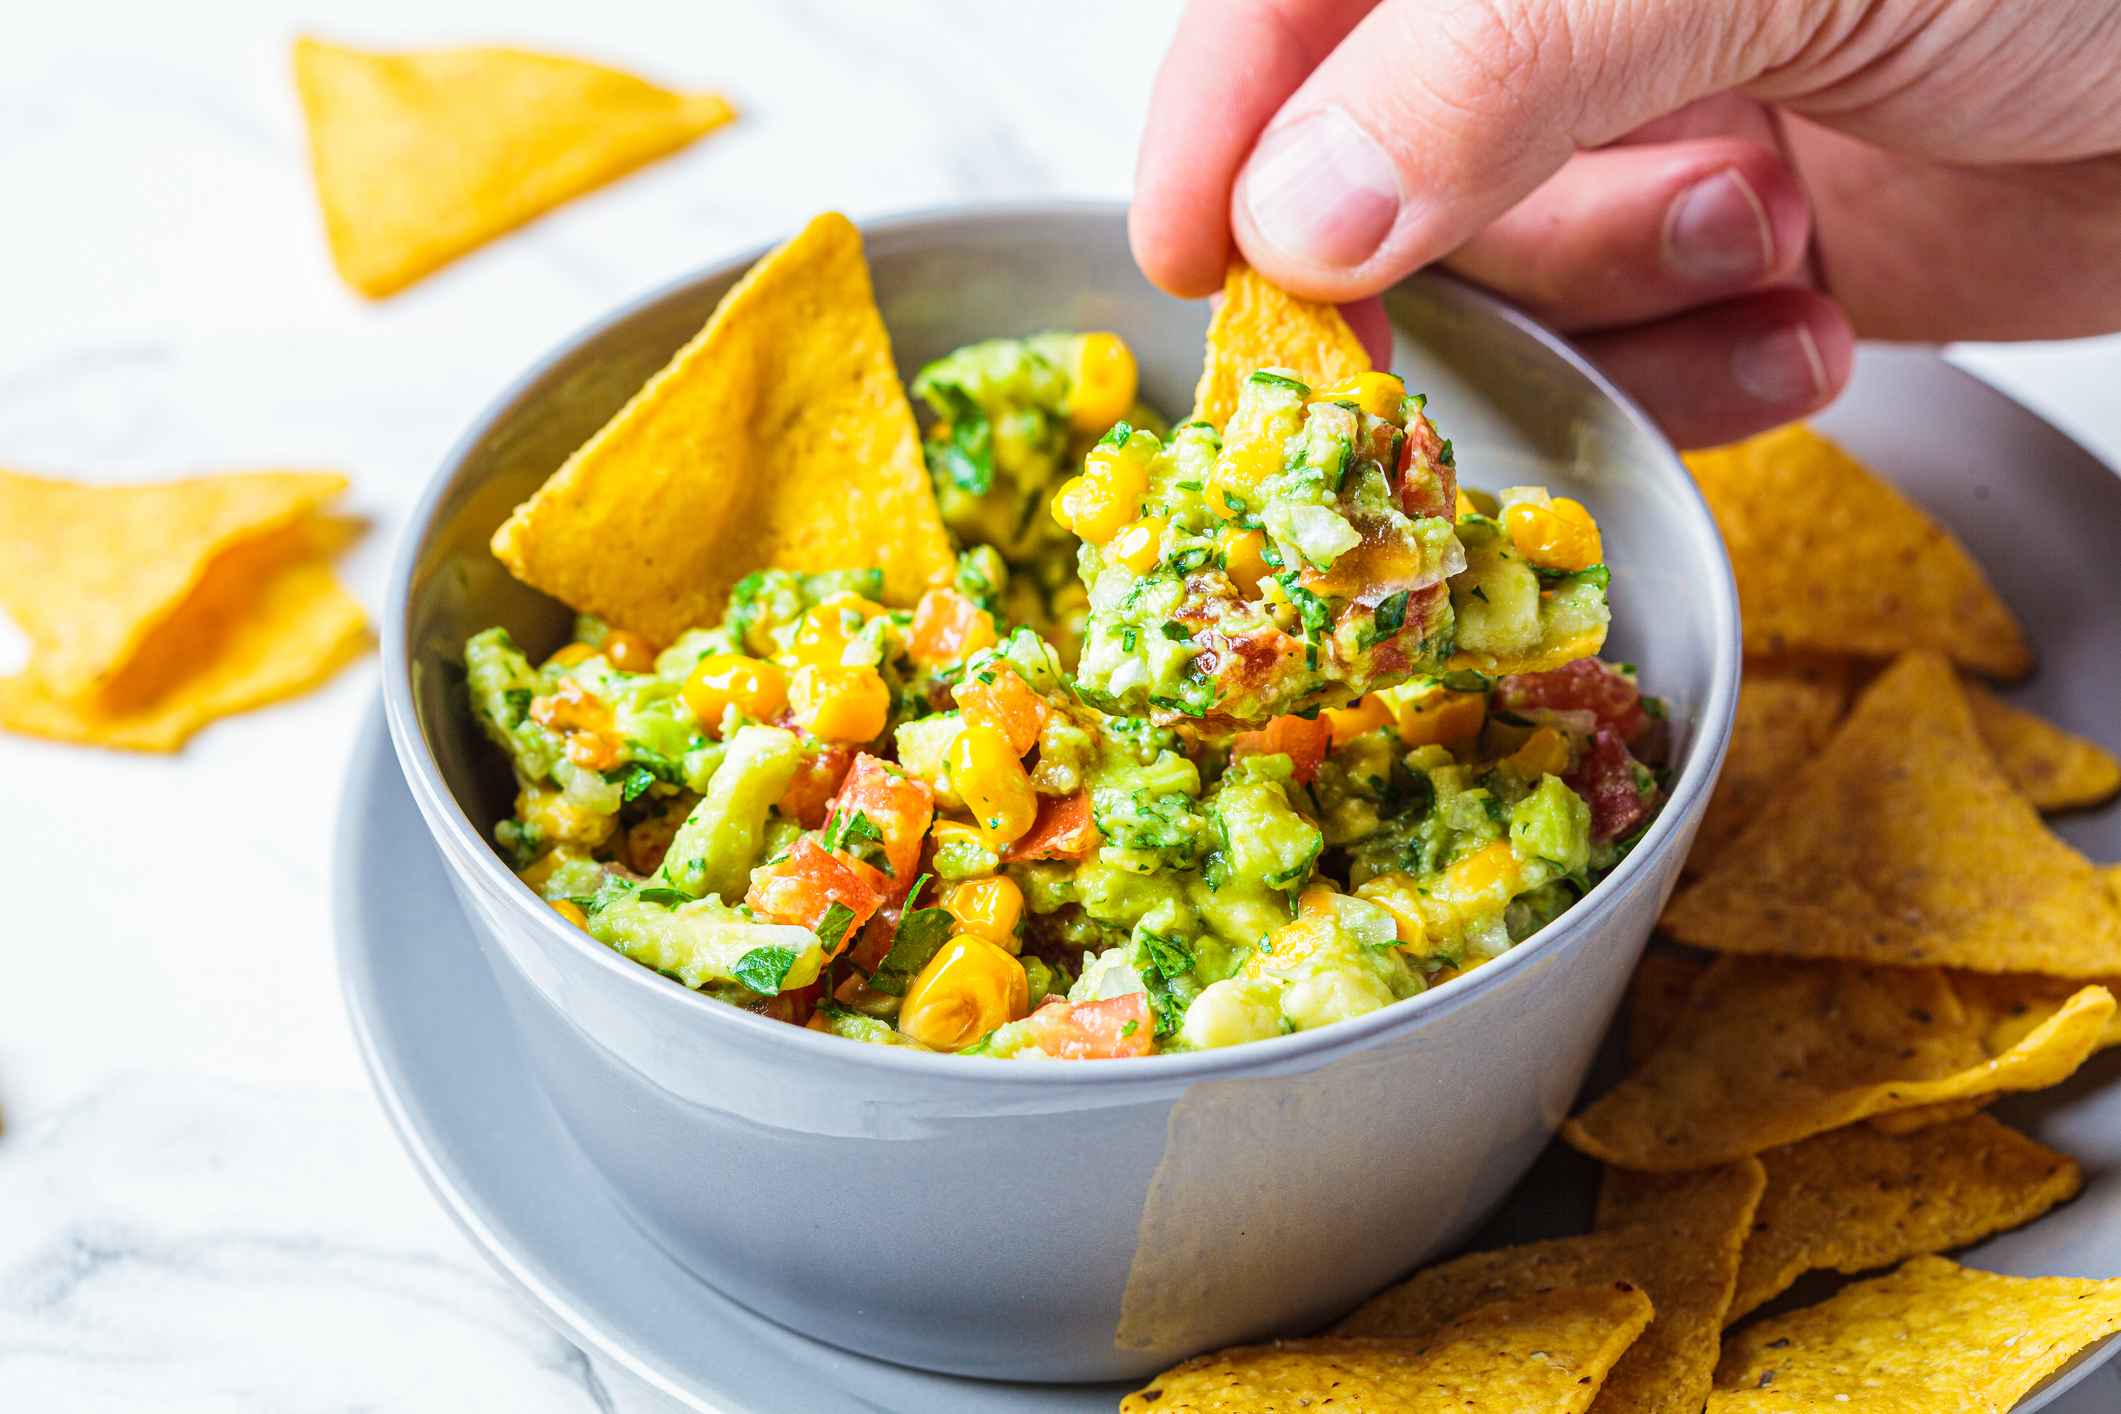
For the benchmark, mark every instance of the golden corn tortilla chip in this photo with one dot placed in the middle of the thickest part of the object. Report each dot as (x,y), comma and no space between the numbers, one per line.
(1931,1336)
(1923,1116)
(1852,1200)
(1656,997)
(2057,770)
(779,437)
(1769,1051)
(268,621)
(422,157)
(89,572)
(1685,1255)
(1548,1352)
(1831,559)
(1903,843)
(2009,1006)
(1261,325)
(1787,709)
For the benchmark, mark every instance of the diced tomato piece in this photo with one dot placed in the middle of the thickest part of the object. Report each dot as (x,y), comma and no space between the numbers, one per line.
(1116,1026)
(997,696)
(1605,777)
(948,628)
(824,766)
(1428,485)
(1304,743)
(899,805)
(801,888)
(1064,829)
(1584,685)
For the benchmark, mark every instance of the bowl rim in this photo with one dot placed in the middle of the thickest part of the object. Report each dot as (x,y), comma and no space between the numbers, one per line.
(466,850)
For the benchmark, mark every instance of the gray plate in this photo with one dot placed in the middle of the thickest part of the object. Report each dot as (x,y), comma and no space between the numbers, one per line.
(2041,513)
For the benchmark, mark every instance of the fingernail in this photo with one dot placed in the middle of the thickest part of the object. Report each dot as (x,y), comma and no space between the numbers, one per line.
(1718,230)
(1781,366)
(1322,190)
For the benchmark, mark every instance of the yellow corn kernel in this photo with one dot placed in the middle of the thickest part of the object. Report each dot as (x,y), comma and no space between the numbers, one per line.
(572,654)
(1558,536)
(986,771)
(628,652)
(1140,547)
(840,704)
(1244,557)
(571,911)
(1288,945)
(988,908)
(1366,714)
(1102,501)
(823,633)
(1430,714)
(1241,469)
(756,688)
(817,1022)
(966,990)
(1545,753)
(1377,394)
(1466,507)
(1105,379)
(1482,882)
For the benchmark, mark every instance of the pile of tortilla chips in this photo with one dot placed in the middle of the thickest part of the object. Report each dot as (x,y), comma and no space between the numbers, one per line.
(154,610)
(422,157)
(1899,939)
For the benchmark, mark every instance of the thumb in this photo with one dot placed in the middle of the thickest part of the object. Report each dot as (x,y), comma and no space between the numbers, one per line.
(1433,117)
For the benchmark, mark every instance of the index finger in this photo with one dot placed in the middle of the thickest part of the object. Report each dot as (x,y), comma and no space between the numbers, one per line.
(1232,65)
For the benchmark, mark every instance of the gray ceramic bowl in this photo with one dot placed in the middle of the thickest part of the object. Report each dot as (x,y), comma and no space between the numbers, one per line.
(1098,1219)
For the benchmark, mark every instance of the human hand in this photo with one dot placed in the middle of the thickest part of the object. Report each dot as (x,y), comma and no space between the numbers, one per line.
(1715,199)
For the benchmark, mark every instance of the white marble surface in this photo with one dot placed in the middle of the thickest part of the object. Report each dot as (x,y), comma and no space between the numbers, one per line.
(203,1209)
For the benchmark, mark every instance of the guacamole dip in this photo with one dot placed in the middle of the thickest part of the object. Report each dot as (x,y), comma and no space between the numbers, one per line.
(1213,737)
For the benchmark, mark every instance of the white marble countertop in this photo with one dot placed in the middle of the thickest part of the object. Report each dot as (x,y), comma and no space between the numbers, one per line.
(203,1208)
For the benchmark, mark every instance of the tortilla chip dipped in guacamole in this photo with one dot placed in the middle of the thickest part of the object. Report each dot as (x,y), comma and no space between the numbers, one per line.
(422,157)
(822,745)
(1258,324)
(778,438)
(1318,550)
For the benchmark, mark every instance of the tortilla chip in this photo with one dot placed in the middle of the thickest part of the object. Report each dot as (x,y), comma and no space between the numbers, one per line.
(1943,1112)
(2057,770)
(1903,843)
(1787,709)
(1931,1336)
(1853,1199)
(1770,1051)
(422,157)
(1261,325)
(1685,1255)
(1656,997)
(89,572)
(779,437)
(1549,1351)
(267,621)
(2008,1007)
(1831,559)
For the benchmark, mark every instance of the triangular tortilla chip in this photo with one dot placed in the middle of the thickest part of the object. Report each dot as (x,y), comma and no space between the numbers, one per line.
(1932,1336)
(88,572)
(1769,1051)
(1787,709)
(1903,843)
(1656,998)
(2057,770)
(421,157)
(1261,325)
(1548,1351)
(267,621)
(2009,1006)
(1685,1255)
(779,437)
(1831,559)
(1852,1200)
